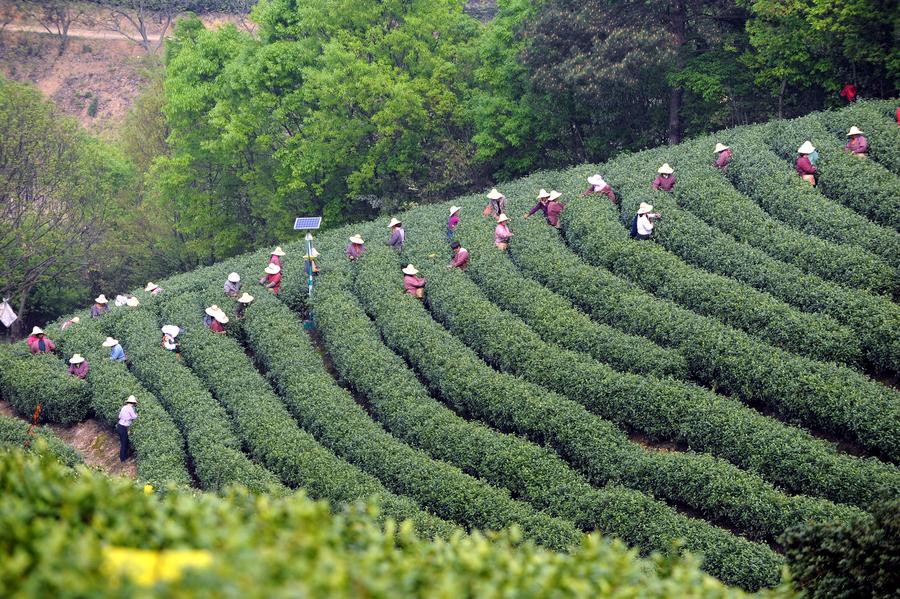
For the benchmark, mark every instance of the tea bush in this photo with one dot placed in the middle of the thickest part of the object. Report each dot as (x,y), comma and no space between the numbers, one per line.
(14,434)
(27,380)
(877,120)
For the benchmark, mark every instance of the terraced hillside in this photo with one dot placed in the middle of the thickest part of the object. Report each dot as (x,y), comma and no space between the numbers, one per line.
(714,386)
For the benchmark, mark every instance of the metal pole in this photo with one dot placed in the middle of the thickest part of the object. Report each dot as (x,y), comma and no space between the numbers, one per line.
(309,267)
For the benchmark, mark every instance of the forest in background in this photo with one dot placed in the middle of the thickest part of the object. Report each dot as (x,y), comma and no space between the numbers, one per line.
(350,108)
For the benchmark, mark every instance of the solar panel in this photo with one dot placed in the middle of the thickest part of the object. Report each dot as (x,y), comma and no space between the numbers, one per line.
(305,223)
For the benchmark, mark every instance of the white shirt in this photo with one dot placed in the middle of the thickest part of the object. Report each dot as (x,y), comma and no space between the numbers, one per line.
(644,225)
(127,415)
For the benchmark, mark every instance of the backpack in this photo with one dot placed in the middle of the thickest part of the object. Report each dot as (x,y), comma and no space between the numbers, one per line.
(633,233)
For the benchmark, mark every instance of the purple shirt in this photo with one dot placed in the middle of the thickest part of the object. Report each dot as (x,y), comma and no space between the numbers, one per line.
(460,259)
(127,415)
(79,370)
(664,183)
(355,250)
(454,220)
(232,288)
(98,309)
(539,206)
(858,144)
(397,238)
(554,209)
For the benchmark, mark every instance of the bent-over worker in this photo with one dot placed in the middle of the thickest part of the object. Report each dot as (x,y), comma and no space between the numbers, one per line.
(100,307)
(116,353)
(127,415)
(665,178)
(215,319)
(398,234)
(543,199)
(356,248)
(70,322)
(232,285)
(277,255)
(460,257)
(242,303)
(169,339)
(723,156)
(272,280)
(415,286)
(38,342)
(804,165)
(496,204)
(153,289)
(78,366)
(599,185)
(858,144)
(502,232)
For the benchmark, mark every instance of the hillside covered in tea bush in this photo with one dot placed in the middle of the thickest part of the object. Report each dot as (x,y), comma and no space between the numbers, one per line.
(715,387)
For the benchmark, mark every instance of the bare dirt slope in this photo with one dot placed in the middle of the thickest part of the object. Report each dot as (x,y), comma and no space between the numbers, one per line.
(95,442)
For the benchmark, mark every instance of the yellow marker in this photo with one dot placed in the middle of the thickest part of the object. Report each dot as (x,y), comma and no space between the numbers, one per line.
(147,566)
(148,489)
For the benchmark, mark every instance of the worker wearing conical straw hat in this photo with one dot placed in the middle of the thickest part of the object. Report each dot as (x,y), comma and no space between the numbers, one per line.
(598,185)
(277,255)
(542,200)
(502,233)
(723,156)
(665,178)
(858,145)
(170,337)
(127,415)
(642,225)
(272,280)
(242,303)
(355,248)
(100,307)
(398,234)
(309,262)
(39,343)
(215,319)
(153,289)
(116,353)
(452,222)
(70,322)
(78,366)
(805,168)
(232,285)
(496,204)
(412,284)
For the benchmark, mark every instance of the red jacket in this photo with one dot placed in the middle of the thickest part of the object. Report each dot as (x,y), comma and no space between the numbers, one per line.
(723,159)
(554,209)
(34,344)
(412,282)
(804,166)
(274,282)
(664,183)
(216,326)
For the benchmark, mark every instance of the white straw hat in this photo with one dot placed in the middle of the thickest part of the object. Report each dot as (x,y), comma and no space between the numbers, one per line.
(245,299)
(213,310)
(314,253)
(543,193)
(357,239)
(494,194)
(665,169)
(76,320)
(502,218)
(150,286)
(133,302)
(110,342)
(131,399)
(410,270)
(806,148)
(596,180)
(234,277)
(278,251)
(221,318)
(272,269)
(720,147)
(453,210)
(37,331)
(555,195)
(644,208)
(101,299)
(171,330)
(854,130)
(394,222)
(76,359)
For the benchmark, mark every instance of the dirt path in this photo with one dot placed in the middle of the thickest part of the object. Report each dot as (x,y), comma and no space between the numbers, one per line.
(95,442)
(84,33)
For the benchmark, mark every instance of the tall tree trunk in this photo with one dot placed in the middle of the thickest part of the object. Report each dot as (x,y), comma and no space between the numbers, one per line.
(676,96)
(781,98)
(16,329)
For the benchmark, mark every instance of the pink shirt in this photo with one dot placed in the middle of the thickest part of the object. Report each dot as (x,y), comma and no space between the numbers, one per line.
(355,250)
(127,415)
(79,370)
(460,259)
(664,183)
(274,260)
(804,166)
(34,344)
(412,282)
(858,144)
(723,158)
(454,220)
(501,233)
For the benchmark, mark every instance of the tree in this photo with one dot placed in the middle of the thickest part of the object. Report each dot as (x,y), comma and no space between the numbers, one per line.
(55,188)
(133,19)
(56,16)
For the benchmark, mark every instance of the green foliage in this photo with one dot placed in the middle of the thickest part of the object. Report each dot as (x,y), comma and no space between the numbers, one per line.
(848,559)
(824,396)
(338,422)
(758,172)
(58,523)
(14,434)
(268,430)
(528,471)
(157,442)
(28,380)
(877,119)
(211,442)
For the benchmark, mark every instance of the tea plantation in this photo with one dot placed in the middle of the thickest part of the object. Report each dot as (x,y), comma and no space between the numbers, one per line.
(712,391)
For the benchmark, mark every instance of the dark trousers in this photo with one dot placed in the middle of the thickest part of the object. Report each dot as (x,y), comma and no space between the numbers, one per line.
(123,441)
(643,237)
